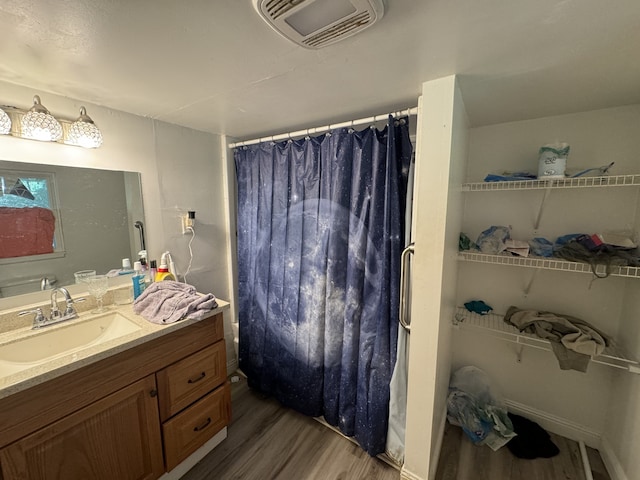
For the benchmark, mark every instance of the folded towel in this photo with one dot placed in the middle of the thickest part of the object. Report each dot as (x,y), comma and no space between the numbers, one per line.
(168,301)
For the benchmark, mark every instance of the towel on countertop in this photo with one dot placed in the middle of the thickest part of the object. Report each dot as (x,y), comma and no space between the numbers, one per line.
(573,340)
(168,301)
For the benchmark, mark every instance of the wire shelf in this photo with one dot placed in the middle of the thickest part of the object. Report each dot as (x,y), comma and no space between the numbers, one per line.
(579,182)
(548,264)
(494,325)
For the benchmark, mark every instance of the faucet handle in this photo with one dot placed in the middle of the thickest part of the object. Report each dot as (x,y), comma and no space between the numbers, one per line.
(71,310)
(38,319)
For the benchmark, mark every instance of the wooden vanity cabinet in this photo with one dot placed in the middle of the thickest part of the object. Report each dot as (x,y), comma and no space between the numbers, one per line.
(116,437)
(131,416)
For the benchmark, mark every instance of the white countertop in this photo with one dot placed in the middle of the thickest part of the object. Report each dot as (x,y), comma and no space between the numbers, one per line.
(60,365)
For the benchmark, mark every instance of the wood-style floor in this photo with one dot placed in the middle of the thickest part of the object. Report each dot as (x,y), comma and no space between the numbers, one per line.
(269,442)
(460,459)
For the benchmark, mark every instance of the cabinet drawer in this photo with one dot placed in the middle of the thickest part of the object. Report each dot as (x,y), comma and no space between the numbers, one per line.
(184,382)
(189,430)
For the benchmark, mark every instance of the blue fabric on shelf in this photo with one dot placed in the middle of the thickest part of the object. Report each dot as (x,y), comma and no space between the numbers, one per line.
(320,234)
(510,177)
(478,306)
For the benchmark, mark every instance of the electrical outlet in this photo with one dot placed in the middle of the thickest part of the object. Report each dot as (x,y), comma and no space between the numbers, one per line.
(187,220)
(184,218)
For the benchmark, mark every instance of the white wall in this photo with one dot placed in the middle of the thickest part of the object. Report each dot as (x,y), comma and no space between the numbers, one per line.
(181,170)
(603,401)
(440,166)
(621,438)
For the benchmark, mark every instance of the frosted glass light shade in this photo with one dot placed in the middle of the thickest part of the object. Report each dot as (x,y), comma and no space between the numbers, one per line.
(84,132)
(5,123)
(39,124)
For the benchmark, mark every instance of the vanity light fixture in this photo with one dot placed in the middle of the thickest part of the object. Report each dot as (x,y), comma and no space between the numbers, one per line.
(83,132)
(39,124)
(5,123)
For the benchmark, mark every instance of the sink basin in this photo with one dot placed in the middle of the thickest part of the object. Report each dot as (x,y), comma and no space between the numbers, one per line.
(51,342)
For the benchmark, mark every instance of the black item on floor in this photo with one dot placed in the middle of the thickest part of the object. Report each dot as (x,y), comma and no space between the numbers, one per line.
(532,440)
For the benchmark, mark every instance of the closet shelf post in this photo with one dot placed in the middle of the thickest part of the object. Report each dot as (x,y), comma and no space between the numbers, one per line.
(527,288)
(545,197)
(519,349)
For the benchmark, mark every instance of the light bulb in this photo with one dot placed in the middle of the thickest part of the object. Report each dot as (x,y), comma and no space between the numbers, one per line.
(84,132)
(5,123)
(39,124)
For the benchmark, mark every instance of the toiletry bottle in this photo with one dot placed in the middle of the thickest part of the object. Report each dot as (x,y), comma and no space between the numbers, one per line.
(126,267)
(153,270)
(163,270)
(138,280)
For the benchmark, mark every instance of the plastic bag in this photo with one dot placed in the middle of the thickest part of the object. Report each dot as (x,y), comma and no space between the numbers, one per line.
(492,240)
(474,405)
(541,247)
(552,162)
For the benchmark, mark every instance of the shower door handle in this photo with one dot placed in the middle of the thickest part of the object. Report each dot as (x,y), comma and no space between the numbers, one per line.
(404,287)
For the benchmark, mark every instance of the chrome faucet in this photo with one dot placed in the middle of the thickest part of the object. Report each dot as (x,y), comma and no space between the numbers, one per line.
(69,312)
(56,316)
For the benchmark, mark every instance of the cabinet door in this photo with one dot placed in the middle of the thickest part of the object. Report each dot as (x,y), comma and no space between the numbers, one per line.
(117,437)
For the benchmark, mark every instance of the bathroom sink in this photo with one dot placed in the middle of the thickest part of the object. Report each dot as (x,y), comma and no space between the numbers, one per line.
(45,344)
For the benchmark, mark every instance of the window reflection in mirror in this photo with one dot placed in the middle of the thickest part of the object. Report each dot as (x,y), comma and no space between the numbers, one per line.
(29,218)
(94,210)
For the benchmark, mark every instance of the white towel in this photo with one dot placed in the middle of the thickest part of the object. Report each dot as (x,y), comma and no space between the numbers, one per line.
(168,301)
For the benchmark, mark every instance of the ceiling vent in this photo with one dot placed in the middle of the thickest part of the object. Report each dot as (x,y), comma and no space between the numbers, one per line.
(318,23)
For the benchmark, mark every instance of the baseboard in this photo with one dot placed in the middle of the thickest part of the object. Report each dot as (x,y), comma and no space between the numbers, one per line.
(557,425)
(406,475)
(611,462)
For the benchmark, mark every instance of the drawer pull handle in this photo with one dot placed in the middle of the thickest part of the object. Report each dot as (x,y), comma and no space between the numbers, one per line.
(153,393)
(203,426)
(198,378)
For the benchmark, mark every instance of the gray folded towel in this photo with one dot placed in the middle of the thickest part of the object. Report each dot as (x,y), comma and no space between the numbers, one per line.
(168,301)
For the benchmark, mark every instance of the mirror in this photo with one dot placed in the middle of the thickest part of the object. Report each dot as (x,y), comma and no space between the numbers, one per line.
(99,220)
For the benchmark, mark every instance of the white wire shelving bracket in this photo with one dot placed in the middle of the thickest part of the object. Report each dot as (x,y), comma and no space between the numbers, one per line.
(579,182)
(494,325)
(548,264)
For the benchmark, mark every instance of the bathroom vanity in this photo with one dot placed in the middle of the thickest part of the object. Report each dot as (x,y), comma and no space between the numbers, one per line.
(132,408)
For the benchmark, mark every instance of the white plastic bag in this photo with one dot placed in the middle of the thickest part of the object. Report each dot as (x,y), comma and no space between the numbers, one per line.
(474,405)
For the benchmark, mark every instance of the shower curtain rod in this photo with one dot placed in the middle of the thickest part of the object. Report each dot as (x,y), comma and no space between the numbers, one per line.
(326,128)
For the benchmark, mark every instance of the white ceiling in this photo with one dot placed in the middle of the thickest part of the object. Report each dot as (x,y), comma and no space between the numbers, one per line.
(214,65)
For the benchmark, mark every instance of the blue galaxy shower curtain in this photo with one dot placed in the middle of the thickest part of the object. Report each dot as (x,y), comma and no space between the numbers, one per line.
(320,233)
